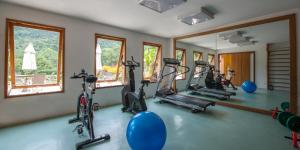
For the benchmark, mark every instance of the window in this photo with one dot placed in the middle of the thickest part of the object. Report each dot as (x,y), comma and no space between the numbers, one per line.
(152,61)
(181,56)
(34,59)
(197,56)
(109,53)
(211,59)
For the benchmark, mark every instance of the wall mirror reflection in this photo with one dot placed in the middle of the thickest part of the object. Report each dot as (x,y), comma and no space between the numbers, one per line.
(248,67)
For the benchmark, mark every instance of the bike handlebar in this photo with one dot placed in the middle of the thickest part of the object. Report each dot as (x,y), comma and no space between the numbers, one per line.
(131,63)
(83,74)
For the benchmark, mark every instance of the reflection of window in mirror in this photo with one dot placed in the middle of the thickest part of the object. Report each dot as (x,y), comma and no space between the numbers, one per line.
(181,56)
(152,61)
(211,59)
(198,55)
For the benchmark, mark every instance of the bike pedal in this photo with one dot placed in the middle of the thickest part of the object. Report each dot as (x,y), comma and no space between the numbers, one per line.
(78,127)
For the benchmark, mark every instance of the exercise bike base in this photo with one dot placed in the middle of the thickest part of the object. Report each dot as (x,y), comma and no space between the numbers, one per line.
(126,109)
(92,141)
(74,120)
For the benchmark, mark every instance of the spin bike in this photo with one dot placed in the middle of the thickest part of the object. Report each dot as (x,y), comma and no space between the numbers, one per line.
(133,102)
(227,81)
(85,114)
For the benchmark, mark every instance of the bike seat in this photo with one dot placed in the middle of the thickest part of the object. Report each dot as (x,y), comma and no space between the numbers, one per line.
(91,79)
(145,81)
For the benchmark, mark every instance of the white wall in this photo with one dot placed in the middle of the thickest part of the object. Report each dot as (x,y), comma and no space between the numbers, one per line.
(260,61)
(79,51)
(181,84)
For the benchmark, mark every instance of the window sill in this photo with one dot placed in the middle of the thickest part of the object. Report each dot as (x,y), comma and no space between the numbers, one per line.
(153,82)
(34,94)
(112,86)
(180,79)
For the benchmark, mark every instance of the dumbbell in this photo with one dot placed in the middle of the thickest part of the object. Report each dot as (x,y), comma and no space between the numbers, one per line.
(289,120)
(293,123)
(282,117)
(284,106)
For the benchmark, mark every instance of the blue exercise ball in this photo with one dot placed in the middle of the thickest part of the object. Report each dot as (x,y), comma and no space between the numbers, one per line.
(146,131)
(249,86)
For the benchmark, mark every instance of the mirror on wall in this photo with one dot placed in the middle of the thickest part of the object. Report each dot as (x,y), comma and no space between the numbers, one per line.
(246,67)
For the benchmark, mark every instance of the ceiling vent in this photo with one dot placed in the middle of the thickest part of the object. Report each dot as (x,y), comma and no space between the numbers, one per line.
(161,5)
(197,17)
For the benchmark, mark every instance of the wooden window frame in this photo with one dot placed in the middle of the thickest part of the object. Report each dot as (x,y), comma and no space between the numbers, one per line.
(183,56)
(9,50)
(201,55)
(158,57)
(122,58)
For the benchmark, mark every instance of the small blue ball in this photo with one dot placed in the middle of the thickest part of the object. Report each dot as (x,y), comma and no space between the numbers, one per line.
(249,86)
(146,131)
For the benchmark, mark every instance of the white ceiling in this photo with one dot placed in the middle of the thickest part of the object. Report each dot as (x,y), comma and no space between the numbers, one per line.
(275,32)
(128,14)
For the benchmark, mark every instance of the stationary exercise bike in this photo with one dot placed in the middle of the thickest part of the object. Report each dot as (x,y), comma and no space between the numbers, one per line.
(227,81)
(133,102)
(85,114)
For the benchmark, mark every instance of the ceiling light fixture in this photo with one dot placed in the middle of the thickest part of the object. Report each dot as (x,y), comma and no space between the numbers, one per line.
(237,37)
(161,5)
(228,35)
(197,17)
(246,43)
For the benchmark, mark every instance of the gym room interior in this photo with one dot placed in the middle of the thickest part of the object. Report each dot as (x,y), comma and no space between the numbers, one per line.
(149,74)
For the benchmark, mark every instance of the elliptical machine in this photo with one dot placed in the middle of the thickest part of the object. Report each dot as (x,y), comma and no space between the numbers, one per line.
(133,102)
(85,114)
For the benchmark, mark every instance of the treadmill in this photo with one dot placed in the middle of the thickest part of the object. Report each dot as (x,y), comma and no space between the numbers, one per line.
(197,87)
(166,93)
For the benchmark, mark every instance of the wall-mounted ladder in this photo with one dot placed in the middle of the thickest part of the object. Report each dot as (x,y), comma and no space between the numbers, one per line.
(278,66)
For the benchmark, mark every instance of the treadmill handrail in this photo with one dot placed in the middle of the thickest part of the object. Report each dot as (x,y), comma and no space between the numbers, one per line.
(171,66)
(186,71)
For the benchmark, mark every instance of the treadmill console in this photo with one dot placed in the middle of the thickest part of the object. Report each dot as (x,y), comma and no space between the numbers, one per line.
(171,61)
(200,63)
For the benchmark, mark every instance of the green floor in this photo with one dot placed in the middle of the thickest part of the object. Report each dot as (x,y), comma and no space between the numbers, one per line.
(218,128)
(262,98)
